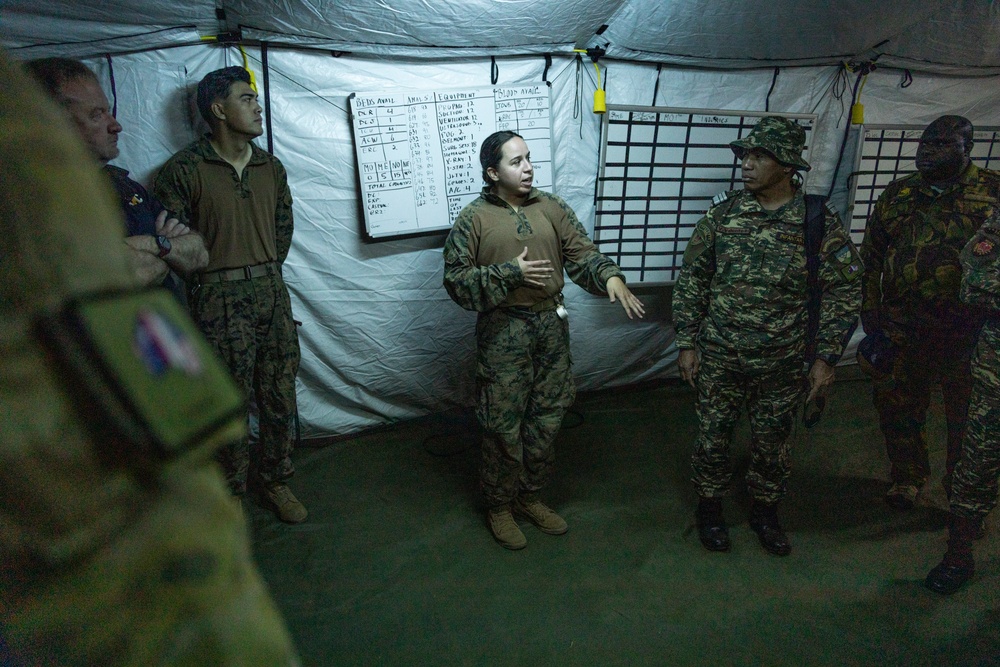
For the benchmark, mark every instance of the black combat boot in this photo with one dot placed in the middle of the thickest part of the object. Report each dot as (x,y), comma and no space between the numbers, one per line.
(712,529)
(957,567)
(764,521)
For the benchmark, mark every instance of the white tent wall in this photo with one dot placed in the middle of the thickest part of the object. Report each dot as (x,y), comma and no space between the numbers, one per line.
(381,340)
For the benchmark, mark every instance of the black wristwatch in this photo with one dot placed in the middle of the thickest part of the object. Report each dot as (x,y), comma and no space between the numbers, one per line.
(163,243)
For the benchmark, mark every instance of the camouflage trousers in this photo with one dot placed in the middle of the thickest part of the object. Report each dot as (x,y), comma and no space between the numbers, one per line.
(726,383)
(974,493)
(525,385)
(902,404)
(249,323)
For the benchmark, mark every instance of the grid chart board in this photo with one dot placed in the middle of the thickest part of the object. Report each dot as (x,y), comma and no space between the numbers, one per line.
(887,153)
(418,153)
(660,169)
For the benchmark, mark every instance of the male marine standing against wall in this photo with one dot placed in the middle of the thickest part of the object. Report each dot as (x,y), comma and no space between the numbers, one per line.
(740,313)
(236,196)
(911,254)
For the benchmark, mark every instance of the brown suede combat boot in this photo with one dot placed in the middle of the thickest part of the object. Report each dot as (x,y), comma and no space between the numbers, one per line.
(531,508)
(504,528)
(284,503)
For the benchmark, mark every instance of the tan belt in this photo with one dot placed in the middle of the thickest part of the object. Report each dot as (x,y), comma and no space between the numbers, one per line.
(240,273)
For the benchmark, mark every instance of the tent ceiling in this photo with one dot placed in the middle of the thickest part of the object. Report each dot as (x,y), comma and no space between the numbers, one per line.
(733,33)
(932,35)
(418,23)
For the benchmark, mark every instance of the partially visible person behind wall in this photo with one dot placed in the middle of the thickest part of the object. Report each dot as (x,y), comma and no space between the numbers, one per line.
(975,483)
(161,250)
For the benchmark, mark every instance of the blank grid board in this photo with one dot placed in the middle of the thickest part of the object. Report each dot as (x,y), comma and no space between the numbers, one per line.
(887,153)
(660,169)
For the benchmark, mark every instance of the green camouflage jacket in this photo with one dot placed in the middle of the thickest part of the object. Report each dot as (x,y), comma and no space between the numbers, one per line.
(981,288)
(743,284)
(480,254)
(912,245)
(981,267)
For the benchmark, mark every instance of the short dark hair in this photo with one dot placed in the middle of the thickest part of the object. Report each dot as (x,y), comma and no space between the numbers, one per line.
(957,126)
(52,73)
(216,86)
(491,150)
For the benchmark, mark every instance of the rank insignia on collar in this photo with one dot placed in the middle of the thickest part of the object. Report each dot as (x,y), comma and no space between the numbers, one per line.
(984,247)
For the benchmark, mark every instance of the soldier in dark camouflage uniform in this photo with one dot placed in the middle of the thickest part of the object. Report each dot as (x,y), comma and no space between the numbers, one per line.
(740,303)
(974,487)
(910,293)
(237,197)
(109,557)
(504,258)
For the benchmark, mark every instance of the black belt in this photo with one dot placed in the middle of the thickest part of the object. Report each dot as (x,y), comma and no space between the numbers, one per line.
(239,273)
(546,304)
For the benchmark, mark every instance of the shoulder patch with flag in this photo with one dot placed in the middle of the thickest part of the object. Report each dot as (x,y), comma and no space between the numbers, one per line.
(983,248)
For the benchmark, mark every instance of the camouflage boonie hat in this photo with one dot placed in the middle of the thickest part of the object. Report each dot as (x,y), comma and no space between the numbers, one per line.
(781,137)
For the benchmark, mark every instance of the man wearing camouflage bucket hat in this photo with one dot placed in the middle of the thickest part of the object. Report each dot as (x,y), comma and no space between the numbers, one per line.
(740,313)
(783,139)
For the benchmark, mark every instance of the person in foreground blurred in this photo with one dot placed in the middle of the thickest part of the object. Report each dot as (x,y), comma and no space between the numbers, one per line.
(119,542)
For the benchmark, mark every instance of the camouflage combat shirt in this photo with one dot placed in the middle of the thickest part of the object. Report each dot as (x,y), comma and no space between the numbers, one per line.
(981,287)
(912,245)
(743,284)
(245,220)
(480,254)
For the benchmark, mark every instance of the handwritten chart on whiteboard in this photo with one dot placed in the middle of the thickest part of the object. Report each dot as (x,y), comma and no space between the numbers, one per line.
(418,153)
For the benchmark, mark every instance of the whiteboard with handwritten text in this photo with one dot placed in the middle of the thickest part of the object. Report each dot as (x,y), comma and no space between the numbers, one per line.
(418,153)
